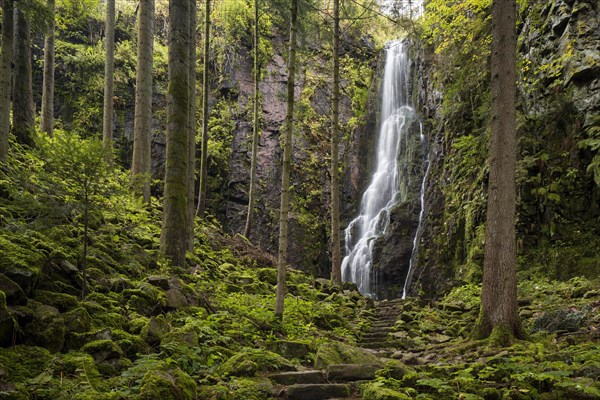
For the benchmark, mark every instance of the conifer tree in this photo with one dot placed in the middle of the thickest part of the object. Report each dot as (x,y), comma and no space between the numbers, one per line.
(109,67)
(47,113)
(336,273)
(23,107)
(6,58)
(204,150)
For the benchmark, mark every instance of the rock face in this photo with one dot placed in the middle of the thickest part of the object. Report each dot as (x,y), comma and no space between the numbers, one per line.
(559,103)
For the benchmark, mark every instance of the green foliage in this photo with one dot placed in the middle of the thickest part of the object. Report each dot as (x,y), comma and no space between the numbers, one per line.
(592,142)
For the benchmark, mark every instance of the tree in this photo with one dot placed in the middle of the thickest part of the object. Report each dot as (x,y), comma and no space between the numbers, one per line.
(174,232)
(255,127)
(23,107)
(498,313)
(204,150)
(287,165)
(109,66)
(142,126)
(5,75)
(192,126)
(47,113)
(336,272)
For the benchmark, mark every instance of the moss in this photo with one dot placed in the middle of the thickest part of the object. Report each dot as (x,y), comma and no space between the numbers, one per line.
(23,362)
(395,369)
(47,328)
(155,330)
(250,361)
(7,323)
(340,353)
(103,349)
(78,320)
(62,301)
(251,389)
(167,384)
(372,391)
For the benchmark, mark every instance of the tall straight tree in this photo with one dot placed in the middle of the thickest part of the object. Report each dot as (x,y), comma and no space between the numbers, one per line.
(204,150)
(174,232)
(192,126)
(109,67)
(23,107)
(255,127)
(499,291)
(142,125)
(336,272)
(287,165)
(47,113)
(6,59)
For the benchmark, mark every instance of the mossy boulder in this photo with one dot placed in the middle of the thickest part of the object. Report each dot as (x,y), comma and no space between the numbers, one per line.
(249,362)
(77,320)
(330,353)
(175,299)
(14,294)
(290,349)
(156,329)
(46,328)
(22,362)
(61,301)
(251,389)
(167,383)
(145,300)
(371,391)
(102,350)
(7,323)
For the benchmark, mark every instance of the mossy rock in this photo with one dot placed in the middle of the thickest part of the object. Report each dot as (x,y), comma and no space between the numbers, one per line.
(167,383)
(78,320)
(145,300)
(132,345)
(267,275)
(8,324)
(249,362)
(47,327)
(75,365)
(251,389)
(372,391)
(14,294)
(330,353)
(22,362)
(62,301)
(156,329)
(395,369)
(102,350)
(290,349)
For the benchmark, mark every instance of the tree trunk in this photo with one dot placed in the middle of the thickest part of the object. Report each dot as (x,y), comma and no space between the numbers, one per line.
(173,235)
(499,291)
(47,113)
(23,107)
(192,126)
(204,150)
(255,128)
(336,272)
(6,59)
(142,129)
(109,66)
(287,166)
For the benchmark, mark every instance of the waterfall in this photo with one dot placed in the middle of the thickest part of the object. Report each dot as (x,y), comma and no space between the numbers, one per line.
(391,180)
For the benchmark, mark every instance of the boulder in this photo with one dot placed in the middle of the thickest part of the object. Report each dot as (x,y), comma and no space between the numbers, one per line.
(156,329)
(330,353)
(351,372)
(290,349)
(7,323)
(317,391)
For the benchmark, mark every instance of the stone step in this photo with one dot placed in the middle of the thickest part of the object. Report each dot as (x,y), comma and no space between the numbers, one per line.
(298,377)
(317,391)
(386,344)
(351,372)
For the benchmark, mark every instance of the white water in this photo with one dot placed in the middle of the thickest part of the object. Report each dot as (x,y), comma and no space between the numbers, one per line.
(389,184)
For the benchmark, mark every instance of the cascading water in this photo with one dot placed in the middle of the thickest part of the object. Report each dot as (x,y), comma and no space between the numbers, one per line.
(390,184)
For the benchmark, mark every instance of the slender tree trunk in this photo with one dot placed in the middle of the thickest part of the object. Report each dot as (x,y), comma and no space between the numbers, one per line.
(23,107)
(142,126)
(336,272)
(6,59)
(499,291)
(47,113)
(192,126)
(204,150)
(174,233)
(255,128)
(287,166)
(86,224)
(109,67)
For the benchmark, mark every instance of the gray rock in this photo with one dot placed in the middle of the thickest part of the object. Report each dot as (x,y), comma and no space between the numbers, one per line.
(14,294)
(175,299)
(351,372)
(298,377)
(317,391)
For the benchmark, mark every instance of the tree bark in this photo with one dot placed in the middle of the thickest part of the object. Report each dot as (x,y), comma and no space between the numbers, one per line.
(336,272)
(192,126)
(174,234)
(255,128)
(142,126)
(109,67)
(498,314)
(287,166)
(204,150)
(23,107)
(6,59)
(47,113)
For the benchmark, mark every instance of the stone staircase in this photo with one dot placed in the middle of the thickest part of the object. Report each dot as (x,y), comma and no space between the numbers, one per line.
(342,381)
(378,338)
